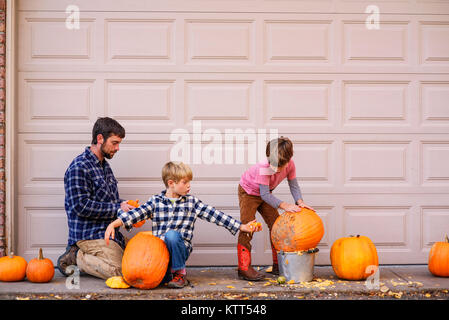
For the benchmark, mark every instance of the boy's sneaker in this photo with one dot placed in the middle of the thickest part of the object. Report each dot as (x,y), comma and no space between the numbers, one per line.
(179,281)
(68,258)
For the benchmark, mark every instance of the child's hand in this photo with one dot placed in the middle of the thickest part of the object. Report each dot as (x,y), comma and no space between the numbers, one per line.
(252,226)
(288,207)
(110,230)
(303,205)
(125,206)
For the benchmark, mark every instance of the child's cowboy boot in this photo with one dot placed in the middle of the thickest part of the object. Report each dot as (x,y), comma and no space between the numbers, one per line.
(245,271)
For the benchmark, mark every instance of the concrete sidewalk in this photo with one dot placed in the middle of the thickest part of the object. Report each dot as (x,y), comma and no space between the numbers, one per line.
(220,283)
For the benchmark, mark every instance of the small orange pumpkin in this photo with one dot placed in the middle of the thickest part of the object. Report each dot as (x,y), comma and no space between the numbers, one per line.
(12,268)
(439,258)
(135,203)
(40,269)
(351,256)
(297,231)
(145,261)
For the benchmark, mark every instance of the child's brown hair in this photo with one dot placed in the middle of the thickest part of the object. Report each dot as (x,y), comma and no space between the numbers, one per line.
(279,151)
(176,171)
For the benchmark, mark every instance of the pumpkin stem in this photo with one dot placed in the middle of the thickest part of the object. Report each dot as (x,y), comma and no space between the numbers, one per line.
(41,256)
(447,239)
(11,254)
(358,235)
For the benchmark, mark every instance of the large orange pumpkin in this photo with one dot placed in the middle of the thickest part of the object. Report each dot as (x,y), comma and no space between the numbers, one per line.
(40,269)
(145,261)
(297,231)
(351,256)
(439,258)
(12,268)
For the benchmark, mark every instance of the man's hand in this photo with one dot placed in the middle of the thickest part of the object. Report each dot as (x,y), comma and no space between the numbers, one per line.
(126,207)
(110,230)
(250,227)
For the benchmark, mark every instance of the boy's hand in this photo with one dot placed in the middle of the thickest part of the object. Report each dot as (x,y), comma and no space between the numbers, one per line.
(125,206)
(251,227)
(110,230)
(288,207)
(303,205)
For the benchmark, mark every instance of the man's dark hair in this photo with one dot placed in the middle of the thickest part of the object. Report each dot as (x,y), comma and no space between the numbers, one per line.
(106,127)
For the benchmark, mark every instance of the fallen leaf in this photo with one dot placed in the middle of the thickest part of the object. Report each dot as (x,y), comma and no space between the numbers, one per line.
(263,295)
(230,287)
(291,281)
(427,295)
(269,269)
(212,283)
(384,289)
(20,298)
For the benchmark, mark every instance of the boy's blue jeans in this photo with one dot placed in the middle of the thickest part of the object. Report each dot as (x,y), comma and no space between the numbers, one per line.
(178,253)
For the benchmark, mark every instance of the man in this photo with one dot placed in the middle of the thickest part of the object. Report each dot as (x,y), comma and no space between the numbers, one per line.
(91,203)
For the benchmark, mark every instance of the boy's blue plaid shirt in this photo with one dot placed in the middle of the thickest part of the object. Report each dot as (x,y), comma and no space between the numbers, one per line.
(91,198)
(178,216)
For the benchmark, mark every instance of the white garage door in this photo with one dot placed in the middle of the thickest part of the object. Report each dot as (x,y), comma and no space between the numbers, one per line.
(367,110)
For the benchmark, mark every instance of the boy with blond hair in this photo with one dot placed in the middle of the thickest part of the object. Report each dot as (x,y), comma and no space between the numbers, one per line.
(173,213)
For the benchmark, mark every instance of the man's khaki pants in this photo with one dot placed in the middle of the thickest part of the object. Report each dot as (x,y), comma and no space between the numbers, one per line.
(98,259)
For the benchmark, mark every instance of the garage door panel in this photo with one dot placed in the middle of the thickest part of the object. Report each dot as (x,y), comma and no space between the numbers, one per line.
(42,223)
(388,44)
(434,225)
(432,51)
(361,103)
(435,157)
(385,226)
(385,162)
(57,104)
(139,41)
(43,163)
(76,46)
(433,103)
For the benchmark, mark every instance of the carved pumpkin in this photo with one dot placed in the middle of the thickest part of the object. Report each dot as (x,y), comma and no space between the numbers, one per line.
(354,258)
(117,282)
(297,231)
(40,269)
(135,203)
(439,258)
(12,268)
(145,261)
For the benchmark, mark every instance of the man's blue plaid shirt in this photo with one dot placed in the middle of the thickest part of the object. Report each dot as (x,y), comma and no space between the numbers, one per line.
(91,198)
(179,216)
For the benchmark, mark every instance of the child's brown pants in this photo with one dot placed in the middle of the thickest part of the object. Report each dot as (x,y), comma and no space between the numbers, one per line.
(249,204)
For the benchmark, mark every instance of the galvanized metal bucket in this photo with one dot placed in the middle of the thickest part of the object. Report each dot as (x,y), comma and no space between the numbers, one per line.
(297,266)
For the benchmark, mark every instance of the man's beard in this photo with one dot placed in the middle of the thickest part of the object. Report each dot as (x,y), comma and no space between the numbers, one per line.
(105,154)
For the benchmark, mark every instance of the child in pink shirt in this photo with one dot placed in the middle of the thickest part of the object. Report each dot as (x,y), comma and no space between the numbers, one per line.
(255,187)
